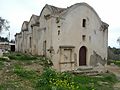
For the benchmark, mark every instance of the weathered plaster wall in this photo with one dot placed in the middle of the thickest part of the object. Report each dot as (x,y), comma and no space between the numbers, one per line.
(95,59)
(44,32)
(71,32)
(60,37)
(35,40)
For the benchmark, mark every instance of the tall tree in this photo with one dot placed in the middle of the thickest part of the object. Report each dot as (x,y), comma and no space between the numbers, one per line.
(4,24)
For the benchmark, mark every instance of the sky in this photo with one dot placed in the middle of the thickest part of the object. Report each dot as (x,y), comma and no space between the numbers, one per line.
(17,11)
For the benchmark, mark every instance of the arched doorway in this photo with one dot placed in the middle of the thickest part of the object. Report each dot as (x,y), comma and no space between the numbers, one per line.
(82,56)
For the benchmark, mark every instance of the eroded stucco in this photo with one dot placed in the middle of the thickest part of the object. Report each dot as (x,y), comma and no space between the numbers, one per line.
(58,33)
(95,59)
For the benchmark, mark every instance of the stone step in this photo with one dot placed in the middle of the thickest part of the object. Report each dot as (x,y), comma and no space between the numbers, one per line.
(93,74)
(85,70)
(90,73)
(82,68)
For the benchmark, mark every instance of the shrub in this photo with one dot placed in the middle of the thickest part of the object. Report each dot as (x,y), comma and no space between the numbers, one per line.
(46,62)
(58,81)
(12,57)
(46,76)
(3,59)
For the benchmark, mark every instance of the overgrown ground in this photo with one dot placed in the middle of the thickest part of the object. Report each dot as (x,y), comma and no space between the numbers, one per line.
(116,62)
(26,72)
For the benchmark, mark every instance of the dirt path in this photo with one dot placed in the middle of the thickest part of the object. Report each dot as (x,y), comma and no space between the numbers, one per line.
(115,70)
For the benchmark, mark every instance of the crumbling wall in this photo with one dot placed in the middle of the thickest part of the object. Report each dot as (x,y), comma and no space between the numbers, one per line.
(95,59)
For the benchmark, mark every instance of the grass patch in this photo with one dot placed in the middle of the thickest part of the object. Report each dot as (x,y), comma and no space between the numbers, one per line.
(116,62)
(1,65)
(7,86)
(65,81)
(14,85)
(49,79)
(26,74)
(45,62)
(20,56)
(3,59)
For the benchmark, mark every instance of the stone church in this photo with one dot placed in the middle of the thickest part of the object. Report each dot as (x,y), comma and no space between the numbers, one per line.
(71,37)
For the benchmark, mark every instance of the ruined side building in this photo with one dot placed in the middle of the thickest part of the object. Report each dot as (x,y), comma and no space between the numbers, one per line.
(70,37)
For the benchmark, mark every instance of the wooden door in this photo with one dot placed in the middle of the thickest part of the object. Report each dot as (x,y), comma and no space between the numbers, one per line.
(82,56)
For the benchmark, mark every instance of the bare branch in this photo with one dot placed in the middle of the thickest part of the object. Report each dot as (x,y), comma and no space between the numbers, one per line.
(4,24)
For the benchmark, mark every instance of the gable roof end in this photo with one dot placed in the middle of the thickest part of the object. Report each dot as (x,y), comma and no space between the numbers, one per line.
(26,24)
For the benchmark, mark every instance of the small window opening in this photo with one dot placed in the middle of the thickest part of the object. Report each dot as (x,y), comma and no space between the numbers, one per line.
(84,23)
(57,20)
(32,26)
(30,42)
(90,38)
(58,32)
(44,47)
(94,31)
(47,16)
(83,37)
(58,26)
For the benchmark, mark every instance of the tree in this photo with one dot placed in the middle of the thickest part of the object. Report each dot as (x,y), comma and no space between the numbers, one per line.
(4,39)
(4,24)
(12,41)
(113,53)
(118,40)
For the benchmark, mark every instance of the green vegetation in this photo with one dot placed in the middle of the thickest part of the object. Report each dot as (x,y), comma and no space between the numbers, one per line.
(116,62)
(3,59)
(20,56)
(1,65)
(4,24)
(114,56)
(24,72)
(46,62)
(113,53)
(52,80)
